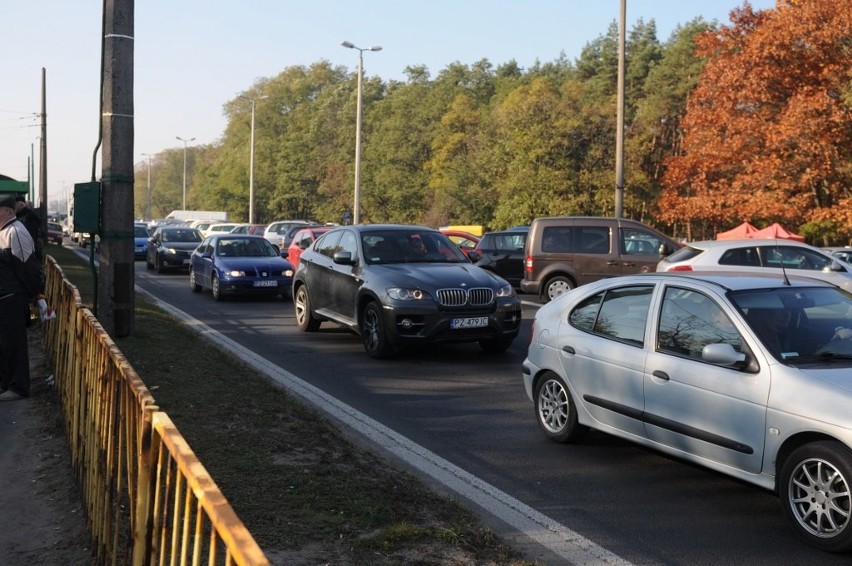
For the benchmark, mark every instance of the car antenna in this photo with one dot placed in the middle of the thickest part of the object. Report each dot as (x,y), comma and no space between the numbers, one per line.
(781,259)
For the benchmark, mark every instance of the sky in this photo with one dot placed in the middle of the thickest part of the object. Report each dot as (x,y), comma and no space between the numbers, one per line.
(193,56)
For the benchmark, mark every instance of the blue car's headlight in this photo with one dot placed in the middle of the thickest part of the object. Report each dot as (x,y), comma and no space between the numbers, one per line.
(506,291)
(235,273)
(288,273)
(402,294)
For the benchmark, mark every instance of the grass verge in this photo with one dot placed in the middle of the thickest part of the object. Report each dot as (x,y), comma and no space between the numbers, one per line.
(306,492)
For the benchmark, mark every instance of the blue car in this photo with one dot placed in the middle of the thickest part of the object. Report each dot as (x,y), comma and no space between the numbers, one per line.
(239,264)
(140,240)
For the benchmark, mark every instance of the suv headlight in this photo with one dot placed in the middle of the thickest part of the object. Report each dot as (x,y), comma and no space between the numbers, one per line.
(506,291)
(402,294)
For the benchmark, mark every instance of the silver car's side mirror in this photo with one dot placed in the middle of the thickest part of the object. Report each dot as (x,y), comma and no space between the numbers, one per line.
(722,355)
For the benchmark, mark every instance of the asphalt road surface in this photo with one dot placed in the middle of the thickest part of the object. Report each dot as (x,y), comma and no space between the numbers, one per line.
(470,408)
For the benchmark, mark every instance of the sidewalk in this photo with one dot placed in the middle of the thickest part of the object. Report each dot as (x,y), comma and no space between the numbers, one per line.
(41,510)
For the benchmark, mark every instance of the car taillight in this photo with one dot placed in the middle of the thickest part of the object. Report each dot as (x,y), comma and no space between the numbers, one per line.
(528,264)
(680,268)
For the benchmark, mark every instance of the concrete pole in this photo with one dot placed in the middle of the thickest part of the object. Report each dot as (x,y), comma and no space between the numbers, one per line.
(619,135)
(42,171)
(116,296)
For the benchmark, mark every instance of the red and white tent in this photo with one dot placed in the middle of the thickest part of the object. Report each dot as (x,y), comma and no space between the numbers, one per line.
(744,230)
(772,232)
(777,232)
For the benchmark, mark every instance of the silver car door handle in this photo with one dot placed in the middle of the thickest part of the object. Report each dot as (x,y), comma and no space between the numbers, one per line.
(661,374)
(568,350)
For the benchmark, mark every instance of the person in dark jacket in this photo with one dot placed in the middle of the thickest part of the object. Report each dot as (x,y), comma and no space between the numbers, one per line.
(32,222)
(21,284)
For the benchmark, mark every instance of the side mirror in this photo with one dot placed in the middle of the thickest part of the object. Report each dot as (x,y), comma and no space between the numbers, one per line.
(344,258)
(722,355)
(473,256)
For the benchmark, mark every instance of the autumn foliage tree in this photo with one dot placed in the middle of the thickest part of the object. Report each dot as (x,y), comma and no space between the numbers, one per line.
(767,134)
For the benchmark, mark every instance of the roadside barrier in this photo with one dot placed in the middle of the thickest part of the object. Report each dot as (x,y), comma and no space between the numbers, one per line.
(148,498)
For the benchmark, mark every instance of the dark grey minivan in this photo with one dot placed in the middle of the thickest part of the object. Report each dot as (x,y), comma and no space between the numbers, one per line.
(566,251)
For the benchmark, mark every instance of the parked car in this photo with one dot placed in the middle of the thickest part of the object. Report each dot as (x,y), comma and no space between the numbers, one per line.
(169,247)
(276,231)
(140,240)
(843,253)
(756,256)
(54,233)
(566,251)
(401,285)
(224,227)
(464,240)
(747,375)
(239,264)
(503,253)
(304,237)
(252,229)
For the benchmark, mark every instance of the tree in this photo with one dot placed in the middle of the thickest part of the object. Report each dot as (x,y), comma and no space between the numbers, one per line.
(767,132)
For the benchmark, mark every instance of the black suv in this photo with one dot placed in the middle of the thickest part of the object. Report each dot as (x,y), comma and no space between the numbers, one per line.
(401,285)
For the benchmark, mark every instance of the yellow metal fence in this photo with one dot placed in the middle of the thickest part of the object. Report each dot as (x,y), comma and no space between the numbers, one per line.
(148,499)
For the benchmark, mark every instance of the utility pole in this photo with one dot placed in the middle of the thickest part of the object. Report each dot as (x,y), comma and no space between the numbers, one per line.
(116,296)
(619,136)
(42,170)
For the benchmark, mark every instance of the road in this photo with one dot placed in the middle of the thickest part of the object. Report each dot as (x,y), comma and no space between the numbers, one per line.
(469,408)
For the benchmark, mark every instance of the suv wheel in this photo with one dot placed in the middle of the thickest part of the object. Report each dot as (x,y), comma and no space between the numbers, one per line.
(373,333)
(557,286)
(305,320)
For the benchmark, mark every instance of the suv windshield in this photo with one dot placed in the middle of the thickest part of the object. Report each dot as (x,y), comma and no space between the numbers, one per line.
(409,246)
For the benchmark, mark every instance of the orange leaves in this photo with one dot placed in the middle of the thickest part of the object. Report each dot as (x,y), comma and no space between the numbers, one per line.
(767,135)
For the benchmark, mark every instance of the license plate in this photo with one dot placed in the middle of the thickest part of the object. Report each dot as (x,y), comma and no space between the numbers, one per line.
(268,283)
(186,262)
(474,322)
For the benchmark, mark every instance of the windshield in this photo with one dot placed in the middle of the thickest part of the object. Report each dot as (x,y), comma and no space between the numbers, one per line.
(245,247)
(409,246)
(140,232)
(188,235)
(799,324)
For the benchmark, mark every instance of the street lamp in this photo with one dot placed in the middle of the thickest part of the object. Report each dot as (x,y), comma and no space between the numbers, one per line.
(251,157)
(184,167)
(356,212)
(148,210)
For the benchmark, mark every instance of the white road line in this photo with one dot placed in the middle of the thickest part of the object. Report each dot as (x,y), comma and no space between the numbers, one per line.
(566,544)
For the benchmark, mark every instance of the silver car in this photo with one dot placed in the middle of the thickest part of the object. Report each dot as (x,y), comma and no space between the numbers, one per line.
(760,256)
(749,375)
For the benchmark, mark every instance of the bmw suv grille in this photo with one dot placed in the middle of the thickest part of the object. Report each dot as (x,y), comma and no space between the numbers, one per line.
(477,297)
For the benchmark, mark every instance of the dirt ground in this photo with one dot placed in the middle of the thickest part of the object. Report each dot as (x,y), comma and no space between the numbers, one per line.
(41,512)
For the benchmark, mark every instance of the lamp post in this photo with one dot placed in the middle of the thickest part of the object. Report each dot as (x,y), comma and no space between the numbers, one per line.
(356,211)
(148,208)
(184,167)
(251,157)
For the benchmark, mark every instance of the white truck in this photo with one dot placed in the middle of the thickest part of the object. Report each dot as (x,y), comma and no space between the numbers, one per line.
(209,215)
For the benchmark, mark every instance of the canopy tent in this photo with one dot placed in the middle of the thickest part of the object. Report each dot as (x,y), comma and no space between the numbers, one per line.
(747,230)
(776,231)
(744,230)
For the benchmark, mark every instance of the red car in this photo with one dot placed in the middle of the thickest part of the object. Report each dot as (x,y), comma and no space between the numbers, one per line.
(302,240)
(464,240)
(54,233)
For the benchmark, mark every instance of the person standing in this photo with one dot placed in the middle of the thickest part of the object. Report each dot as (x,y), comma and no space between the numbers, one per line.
(21,283)
(32,222)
